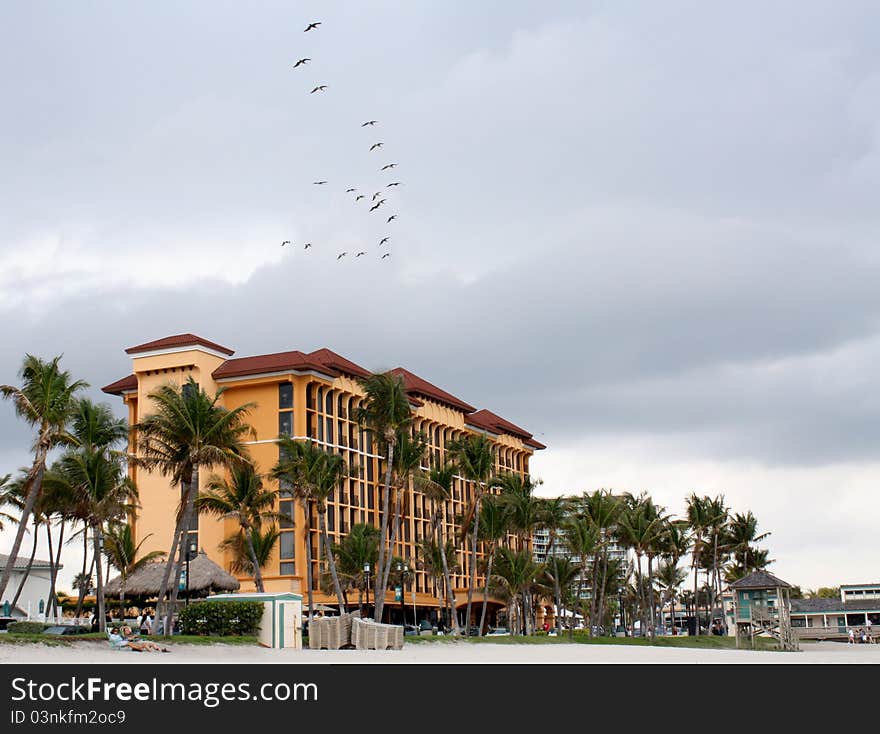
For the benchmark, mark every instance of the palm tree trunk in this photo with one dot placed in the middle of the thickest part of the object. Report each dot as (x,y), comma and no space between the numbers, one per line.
(395,532)
(450,593)
(47,605)
(696,605)
(651,594)
(163,611)
(27,570)
(181,554)
(34,484)
(473,569)
(91,567)
(255,564)
(56,562)
(594,595)
(307,513)
(486,588)
(331,561)
(96,539)
(603,584)
(378,588)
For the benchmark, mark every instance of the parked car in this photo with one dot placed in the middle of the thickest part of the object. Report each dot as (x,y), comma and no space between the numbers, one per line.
(410,629)
(67,629)
(496,631)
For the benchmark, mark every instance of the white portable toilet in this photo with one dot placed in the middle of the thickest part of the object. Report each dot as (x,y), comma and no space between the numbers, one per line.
(281,624)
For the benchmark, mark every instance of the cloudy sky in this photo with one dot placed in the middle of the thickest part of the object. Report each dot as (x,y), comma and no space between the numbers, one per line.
(644,231)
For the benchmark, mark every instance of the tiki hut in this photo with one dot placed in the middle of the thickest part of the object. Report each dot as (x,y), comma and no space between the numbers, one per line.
(205,577)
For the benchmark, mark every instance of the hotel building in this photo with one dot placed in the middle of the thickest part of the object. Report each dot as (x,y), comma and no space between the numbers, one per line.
(312,396)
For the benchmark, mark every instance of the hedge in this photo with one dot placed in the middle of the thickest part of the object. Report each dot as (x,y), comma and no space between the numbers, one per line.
(26,628)
(221,618)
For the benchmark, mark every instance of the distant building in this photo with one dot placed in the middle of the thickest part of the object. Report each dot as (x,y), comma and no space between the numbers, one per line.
(31,603)
(824,617)
(859,592)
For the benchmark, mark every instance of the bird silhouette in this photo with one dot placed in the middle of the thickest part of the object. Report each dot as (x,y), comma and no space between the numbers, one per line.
(286,242)
(312,25)
(369,122)
(376,145)
(383,241)
(308,245)
(360,196)
(360,253)
(394,183)
(390,165)
(393,216)
(387,254)
(319,88)
(318,183)
(301,62)
(376,195)
(377,204)
(341,255)
(348,191)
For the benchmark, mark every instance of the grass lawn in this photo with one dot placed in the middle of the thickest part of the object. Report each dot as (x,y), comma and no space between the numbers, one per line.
(704,642)
(65,640)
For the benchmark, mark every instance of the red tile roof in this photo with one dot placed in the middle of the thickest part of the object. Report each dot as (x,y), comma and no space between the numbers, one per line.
(120,386)
(534,444)
(487,420)
(321,360)
(179,340)
(414,384)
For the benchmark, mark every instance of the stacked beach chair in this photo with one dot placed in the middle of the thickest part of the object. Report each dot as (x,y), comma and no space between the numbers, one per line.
(349,630)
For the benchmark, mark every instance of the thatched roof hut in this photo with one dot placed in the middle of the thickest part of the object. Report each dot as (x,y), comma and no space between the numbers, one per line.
(205,577)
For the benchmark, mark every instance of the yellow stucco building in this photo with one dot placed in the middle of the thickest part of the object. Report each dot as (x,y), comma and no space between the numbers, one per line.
(310,395)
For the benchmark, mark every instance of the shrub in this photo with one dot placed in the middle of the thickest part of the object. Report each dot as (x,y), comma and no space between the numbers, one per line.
(26,628)
(221,618)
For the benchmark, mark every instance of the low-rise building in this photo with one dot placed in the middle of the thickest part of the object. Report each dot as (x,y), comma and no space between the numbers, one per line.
(37,584)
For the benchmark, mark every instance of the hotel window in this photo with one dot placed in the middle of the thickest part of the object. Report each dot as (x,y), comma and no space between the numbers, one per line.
(285,396)
(328,406)
(341,412)
(285,423)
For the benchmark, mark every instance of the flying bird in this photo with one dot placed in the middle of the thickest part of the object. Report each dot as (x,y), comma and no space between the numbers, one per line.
(393,216)
(360,196)
(387,254)
(319,88)
(312,25)
(286,242)
(376,145)
(377,205)
(341,255)
(318,183)
(369,122)
(383,241)
(377,195)
(348,191)
(394,183)
(301,62)
(360,253)
(308,245)
(390,165)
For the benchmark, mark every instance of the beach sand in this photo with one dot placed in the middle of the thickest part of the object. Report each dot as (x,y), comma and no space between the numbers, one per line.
(455,652)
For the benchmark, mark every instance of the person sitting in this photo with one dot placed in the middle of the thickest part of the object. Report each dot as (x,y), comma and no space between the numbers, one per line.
(139,645)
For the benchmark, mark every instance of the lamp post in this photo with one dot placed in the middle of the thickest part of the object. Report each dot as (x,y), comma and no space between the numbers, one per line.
(367,585)
(190,552)
(622,610)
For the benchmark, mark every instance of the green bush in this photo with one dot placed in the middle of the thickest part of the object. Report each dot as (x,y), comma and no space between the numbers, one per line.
(26,628)
(221,618)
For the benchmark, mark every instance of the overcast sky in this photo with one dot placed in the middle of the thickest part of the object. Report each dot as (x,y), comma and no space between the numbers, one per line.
(647,232)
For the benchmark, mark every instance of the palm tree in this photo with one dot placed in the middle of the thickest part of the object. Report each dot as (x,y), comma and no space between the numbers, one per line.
(188,430)
(6,498)
(384,412)
(582,540)
(107,494)
(719,518)
(243,499)
(513,577)
(407,465)
(474,455)
(437,487)
(742,532)
(122,553)
(603,509)
(434,560)
(670,577)
(699,518)
(641,527)
(260,545)
(552,515)
(45,400)
(329,472)
(357,549)
(494,526)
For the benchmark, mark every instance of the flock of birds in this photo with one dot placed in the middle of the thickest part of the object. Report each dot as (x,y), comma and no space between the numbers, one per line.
(378,198)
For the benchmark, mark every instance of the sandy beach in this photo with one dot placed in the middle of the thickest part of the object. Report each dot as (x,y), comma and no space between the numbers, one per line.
(426,654)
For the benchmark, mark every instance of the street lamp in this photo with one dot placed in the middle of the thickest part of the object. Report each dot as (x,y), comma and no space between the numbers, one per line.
(190,552)
(367,585)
